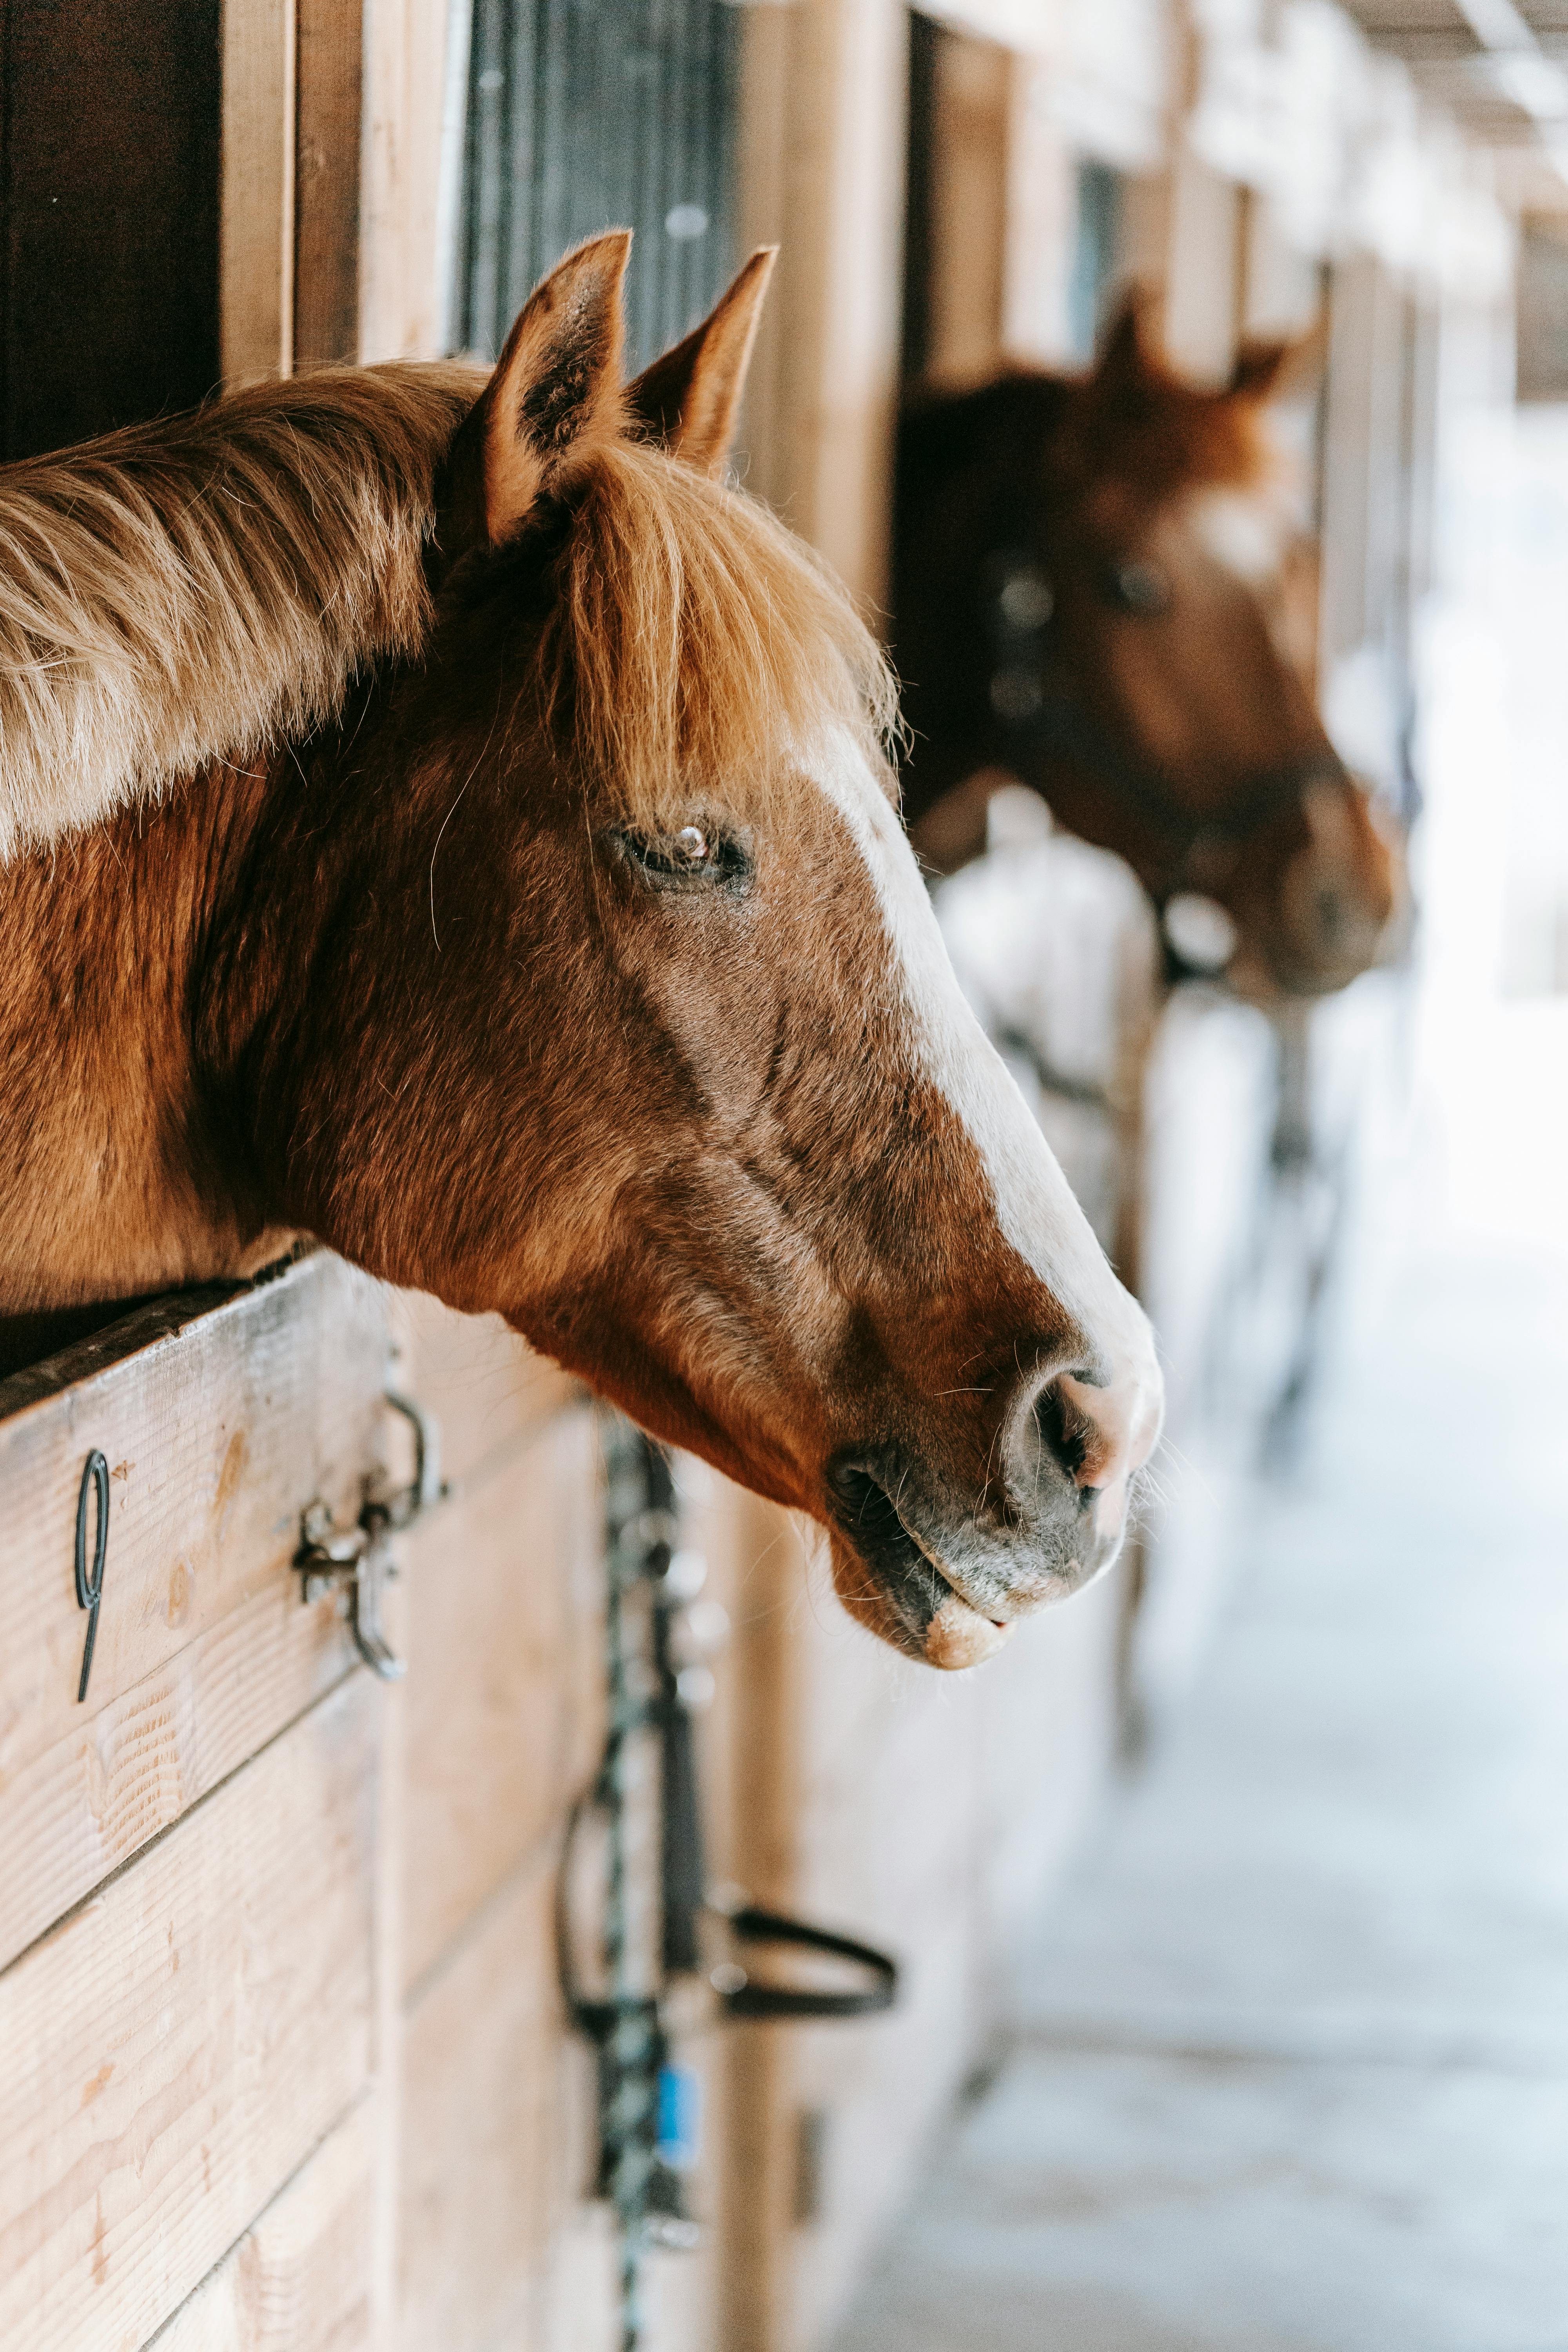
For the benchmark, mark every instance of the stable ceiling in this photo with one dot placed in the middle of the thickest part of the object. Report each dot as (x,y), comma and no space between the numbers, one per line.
(1500,67)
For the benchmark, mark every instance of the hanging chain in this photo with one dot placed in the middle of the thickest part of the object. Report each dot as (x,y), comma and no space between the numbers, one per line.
(640,1532)
(650,1933)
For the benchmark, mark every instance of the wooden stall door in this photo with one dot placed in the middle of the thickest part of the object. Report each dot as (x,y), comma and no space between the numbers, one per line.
(193,1940)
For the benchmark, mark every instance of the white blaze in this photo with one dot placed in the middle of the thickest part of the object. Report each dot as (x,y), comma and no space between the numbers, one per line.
(1036,1209)
(1246,535)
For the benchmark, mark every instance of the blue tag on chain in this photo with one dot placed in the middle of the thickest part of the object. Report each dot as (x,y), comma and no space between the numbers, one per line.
(679,2117)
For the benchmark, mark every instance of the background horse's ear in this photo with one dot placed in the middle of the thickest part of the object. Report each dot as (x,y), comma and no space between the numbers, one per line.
(1280,368)
(691,398)
(1125,357)
(556,390)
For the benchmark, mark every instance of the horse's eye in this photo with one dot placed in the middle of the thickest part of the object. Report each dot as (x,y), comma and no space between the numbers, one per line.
(693,854)
(1138,587)
(1025,600)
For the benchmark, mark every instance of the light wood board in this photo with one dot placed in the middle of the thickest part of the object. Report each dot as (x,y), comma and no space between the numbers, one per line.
(327,190)
(503,1696)
(256,265)
(128,1770)
(216,1436)
(176,2049)
(486,2174)
(300,2278)
(485,1386)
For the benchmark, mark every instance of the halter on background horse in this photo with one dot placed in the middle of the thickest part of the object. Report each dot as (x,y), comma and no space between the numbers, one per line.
(511,894)
(1092,594)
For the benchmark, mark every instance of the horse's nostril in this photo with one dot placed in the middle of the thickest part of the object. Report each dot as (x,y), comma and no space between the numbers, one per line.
(1330,918)
(1093,1431)
(1060,1430)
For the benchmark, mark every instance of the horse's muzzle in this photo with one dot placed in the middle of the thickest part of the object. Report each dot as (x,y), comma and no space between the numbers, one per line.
(943,1575)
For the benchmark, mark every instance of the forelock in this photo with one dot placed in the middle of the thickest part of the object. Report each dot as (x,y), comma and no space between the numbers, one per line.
(693,642)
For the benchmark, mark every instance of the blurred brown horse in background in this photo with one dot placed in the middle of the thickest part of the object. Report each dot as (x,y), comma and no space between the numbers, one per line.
(1092,594)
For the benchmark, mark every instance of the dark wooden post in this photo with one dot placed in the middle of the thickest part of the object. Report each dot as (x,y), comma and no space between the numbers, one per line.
(108,190)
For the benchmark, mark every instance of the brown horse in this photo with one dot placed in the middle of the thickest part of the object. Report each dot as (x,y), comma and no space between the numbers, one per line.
(505,885)
(1092,594)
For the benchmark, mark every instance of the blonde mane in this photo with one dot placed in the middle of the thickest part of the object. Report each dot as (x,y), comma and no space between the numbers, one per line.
(204,590)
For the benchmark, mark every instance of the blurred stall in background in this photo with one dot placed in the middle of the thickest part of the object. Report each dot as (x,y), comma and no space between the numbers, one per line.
(954,193)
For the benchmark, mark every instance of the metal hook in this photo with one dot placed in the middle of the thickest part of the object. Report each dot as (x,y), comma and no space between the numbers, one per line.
(364,1614)
(359,1559)
(429,1485)
(90,1588)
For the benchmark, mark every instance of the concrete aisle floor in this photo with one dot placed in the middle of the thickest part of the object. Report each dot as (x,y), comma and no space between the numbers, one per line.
(1293,2068)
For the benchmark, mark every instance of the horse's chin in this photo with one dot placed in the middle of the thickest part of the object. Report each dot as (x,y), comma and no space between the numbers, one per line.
(1271,987)
(1248,977)
(960,1636)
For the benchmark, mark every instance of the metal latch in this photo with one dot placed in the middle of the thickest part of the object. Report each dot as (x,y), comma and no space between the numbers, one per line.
(358,1559)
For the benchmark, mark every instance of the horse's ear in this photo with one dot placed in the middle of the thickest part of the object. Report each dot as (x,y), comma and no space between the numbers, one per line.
(1125,359)
(1257,369)
(556,390)
(1280,367)
(691,398)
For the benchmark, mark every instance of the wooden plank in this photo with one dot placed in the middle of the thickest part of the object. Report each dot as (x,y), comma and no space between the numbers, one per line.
(502,2250)
(256,272)
(127,1770)
(300,2278)
(176,2048)
(969,166)
(485,1386)
(96,1337)
(1041,221)
(109,201)
(750,1754)
(499,2251)
(828,184)
(216,1435)
(489,2170)
(405,109)
(1282,294)
(1203,271)
(386,2024)
(327,188)
(503,1697)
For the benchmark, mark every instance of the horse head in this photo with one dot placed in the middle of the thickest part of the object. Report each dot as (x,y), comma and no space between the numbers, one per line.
(632,1021)
(1098,590)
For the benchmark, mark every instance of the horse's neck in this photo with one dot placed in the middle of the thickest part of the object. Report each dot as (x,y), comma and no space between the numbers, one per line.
(118,1178)
(960,454)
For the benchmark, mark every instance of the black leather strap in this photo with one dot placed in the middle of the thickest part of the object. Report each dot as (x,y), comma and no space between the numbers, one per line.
(750,1924)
